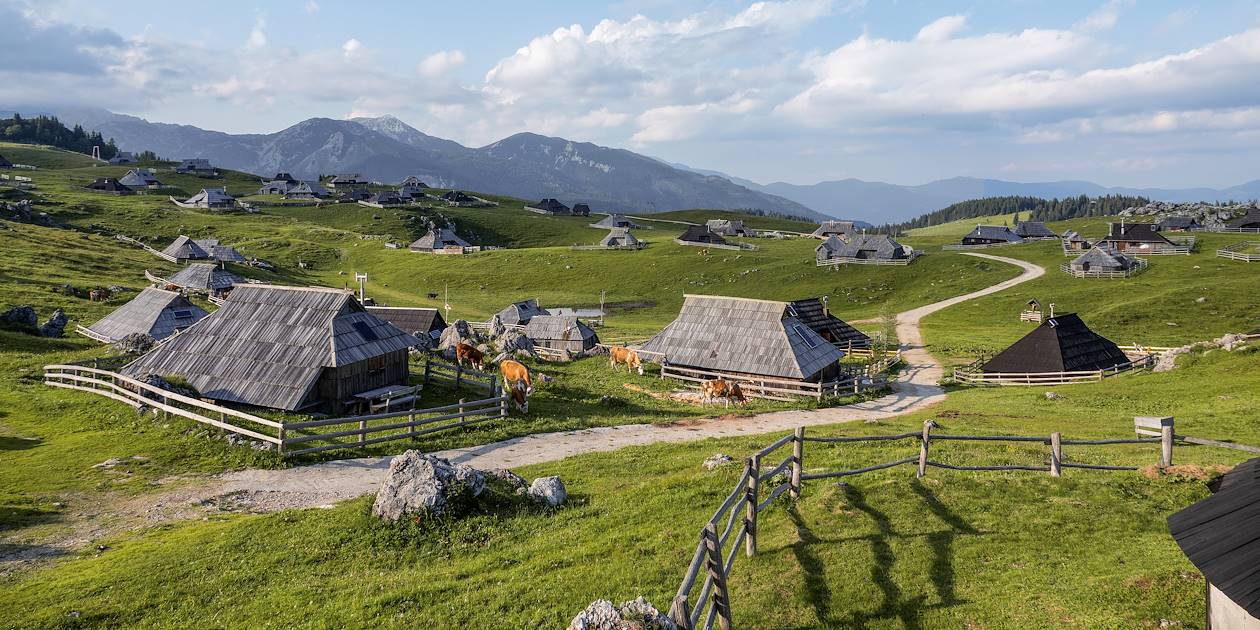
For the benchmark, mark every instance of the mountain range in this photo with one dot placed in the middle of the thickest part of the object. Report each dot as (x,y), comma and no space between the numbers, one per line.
(385,149)
(532,166)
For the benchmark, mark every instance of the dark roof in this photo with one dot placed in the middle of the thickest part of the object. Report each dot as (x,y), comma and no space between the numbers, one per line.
(108,184)
(204,277)
(268,345)
(558,328)
(864,246)
(1033,229)
(1102,258)
(701,234)
(811,313)
(619,237)
(1135,233)
(387,197)
(416,321)
(995,233)
(1072,236)
(140,178)
(185,248)
(284,177)
(581,209)
(5,163)
(1220,536)
(551,206)
(521,312)
(457,196)
(615,221)
(743,335)
(154,312)
(1249,220)
(438,238)
(833,227)
(1060,344)
(1178,223)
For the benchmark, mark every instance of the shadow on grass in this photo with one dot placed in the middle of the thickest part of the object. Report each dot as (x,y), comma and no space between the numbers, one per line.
(15,443)
(16,516)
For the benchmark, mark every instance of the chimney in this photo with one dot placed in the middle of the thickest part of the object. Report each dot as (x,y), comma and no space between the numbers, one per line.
(826,311)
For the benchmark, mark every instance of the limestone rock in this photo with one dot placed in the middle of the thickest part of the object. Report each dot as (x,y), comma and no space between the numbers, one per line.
(511,343)
(716,460)
(20,316)
(135,343)
(637,614)
(424,484)
(455,334)
(548,490)
(509,477)
(496,327)
(1053,396)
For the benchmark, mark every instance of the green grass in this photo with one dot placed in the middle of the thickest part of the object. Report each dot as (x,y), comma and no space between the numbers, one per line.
(963,226)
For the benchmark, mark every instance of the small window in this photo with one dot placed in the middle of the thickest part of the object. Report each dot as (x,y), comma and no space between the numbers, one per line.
(366,331)
(809,340)
(183,314)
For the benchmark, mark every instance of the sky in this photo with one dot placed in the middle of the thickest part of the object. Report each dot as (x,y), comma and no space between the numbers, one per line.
(1120,92)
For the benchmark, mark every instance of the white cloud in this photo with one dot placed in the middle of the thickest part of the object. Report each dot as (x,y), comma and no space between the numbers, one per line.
(351,47)
(1104,18)
(942,29)
(441,63)
(257,35)
(312,7)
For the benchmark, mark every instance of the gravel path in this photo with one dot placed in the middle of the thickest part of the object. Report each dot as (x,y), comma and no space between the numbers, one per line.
(322,484)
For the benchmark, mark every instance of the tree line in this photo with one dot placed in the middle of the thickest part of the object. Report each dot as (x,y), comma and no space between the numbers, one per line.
(50,131)
(1040,209)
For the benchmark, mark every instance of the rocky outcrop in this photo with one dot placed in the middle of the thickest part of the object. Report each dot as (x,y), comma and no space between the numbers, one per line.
(20,317)
(1207,214)
(455,334)
(1167,360)
(55,327)
(514,344)
(424,485)
(548,491)
(637,614)
(510,478)
(717,460)
(135,343)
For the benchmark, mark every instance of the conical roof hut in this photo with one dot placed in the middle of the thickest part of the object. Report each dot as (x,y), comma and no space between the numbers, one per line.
(1060,344)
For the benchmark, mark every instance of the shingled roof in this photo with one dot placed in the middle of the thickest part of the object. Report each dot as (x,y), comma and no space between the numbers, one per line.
(615,221)
(745,336)
(268,345)
(701,234)
(185,248)
(812,313)
(1251,220)
(1034,229)
(414,320)
(992,233)
(519,313)
(204,277)
(864,246)
(437,238)
(1219,535)
(1060,344)
(154,312)
(619,237)
(1135,233)
(828,228)
(219,251)
(1100,258)
(558,328)
(550,206)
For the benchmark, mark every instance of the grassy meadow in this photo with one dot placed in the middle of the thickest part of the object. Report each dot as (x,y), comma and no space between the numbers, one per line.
(959,549)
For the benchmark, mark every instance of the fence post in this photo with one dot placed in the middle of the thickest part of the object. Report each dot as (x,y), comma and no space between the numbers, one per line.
(459,371)
(680,614)
(753,465)
(1056,454)
(280,445)
(798,455)
(923,447)
(1166,444)
(426,371)
(717,572)
(503,404)
(461,408)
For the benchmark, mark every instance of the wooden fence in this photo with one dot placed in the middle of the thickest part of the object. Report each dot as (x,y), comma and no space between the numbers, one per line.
(91,334)
(159,254)
(1139,265)
(732,246)
(771,388)
(459,376)
(1227,230)
(730,526)
(1236,251)
(898,262)
(960,246)
(342,432)
(970,375)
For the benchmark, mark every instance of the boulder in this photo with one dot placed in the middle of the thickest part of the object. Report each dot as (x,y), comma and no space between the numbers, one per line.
(159,382)
(1231,341)
(1053,396)
(548,490)
(1167,360)
(424,485)
(509,477)
(455,334)
(55,326)
(496,328)
(637,614)
(135,343)
(22,316)
(512,343)
(717,460)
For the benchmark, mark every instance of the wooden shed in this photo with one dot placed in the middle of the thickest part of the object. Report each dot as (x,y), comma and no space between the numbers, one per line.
(417,321)
(1034,230)
(560,332)
(110,186)
(519,313)
(1249,221)
(1100,259)
(813,312)
(154,312)
(871,248)
(701,235)
(287,348)
(205,278)
(745,338)
(838,229)
(615,221)
(1062,343)
(439,240)
(991,235)
(549,206)
(1177,224)
(1074,242)
(620,238)
(185,248)
(1221,536)
(1135,238)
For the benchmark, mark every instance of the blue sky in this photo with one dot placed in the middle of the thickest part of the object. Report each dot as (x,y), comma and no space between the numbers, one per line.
(1123,92)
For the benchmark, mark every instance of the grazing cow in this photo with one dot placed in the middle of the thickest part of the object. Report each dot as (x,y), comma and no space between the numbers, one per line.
(515,372)
(618,356)
(98,295)
(718,388)
(475,357)
(520,396)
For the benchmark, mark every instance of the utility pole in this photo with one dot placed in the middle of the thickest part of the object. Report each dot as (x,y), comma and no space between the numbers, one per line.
(362,278)
(447,302)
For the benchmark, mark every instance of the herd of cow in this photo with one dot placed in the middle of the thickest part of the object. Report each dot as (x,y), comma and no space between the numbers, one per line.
(517,382)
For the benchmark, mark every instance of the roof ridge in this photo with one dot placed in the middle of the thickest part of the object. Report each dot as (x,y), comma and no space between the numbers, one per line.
(732,297)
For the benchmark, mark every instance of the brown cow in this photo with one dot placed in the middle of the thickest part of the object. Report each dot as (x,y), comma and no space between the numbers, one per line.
(515,372)
(98,295)
(618,356)
(465,352)
(520,396)
(718,388)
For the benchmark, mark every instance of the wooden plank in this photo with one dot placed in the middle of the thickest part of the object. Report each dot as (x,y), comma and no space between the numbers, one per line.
(1229,445)
(858,471)
(751,498)
(783,487)
(775,446)
(1010,467)
(924,441)
(863,438)
(387,427)
(1056,454)
(391,414)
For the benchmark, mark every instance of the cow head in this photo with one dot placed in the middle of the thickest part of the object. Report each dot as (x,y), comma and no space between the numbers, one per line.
(520,396)
(737,394)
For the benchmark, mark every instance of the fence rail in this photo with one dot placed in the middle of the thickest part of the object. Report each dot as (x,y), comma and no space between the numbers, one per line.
(968,376)
(459,375)
(900,262)
(960,246)
(720,537)
(1139,265)
(769,387)
(1236,251)
(159,254)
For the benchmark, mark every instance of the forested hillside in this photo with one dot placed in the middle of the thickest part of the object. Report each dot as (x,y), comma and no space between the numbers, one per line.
(50,131)
(1041,209)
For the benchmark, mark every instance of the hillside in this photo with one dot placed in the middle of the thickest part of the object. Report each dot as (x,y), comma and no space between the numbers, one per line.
(524,165)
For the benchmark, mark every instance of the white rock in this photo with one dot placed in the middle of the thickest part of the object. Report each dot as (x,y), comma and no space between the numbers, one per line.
(549,490)
(717,459)
(419,483)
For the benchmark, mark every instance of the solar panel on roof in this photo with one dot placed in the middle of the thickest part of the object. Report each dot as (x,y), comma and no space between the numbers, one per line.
(183,314)
(366,331)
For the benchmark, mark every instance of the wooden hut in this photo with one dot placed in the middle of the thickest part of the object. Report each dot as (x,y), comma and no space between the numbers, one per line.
(287,348)
(1062,343)
(413,188)
(420,322)
(1220,535)
(200,167)
(813,312)
(615,221)
(123,157)
(347,180)
(210,198)
(1135,237)
(185,248)
(1104,262)
(991,235)
(1074,242)
(439,241)
(355,194)
(1177,224)
(728,227)
(839,229)
(219,251)
(205,278)
(744,338)
(386,199)
(519,313)
(154,312)
(862,248)
(560,332)
(1033,230)
(549,206)
(701,236)
(306,190)
(140,178)
(620,238)
(1249,221)
(109,186)
(580,210)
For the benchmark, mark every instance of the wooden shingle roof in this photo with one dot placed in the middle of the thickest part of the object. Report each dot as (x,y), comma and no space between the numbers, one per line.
(1135,233)
(521,312)
(185,248)
(1060,344)
(828,228)
(615,221)
(993,233)
(204,277)
(268,345)
(743,335)
(1033,229)
(812,313)
(558,328)
(1102,258)
(153,312)
(1221,536)
(416,321)
(438,238)
(701,234)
